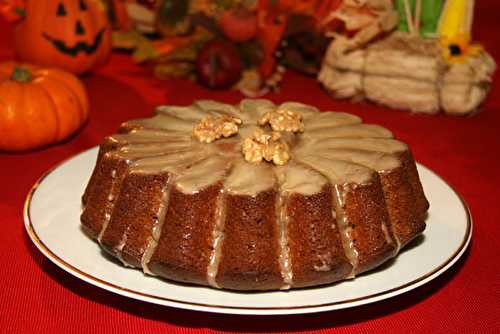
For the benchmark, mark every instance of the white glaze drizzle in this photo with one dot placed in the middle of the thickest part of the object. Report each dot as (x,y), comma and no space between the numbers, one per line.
(326,260)
(388,239)
(339,193)
(383,227)
(158,226)
(285,261)
(119,249)
(107,218)
(217,237)
(108,208)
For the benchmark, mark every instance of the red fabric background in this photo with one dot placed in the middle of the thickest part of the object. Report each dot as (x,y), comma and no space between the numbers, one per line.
(36,296)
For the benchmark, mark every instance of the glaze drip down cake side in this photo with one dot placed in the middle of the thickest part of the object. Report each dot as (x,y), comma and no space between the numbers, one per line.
(253,196)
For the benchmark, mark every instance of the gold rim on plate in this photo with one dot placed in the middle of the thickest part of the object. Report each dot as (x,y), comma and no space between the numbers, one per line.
(217,308)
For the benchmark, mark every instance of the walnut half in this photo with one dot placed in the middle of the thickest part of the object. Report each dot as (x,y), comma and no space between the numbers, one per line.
(283,120)
(211,128)
(262,146)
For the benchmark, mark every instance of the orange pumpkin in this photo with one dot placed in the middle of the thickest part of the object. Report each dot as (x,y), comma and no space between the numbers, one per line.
(38,106)
(71,34)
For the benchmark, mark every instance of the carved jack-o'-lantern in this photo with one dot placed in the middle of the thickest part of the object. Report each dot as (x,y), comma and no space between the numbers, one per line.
(71,34)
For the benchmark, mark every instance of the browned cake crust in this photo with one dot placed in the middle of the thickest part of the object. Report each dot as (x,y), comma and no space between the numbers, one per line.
(143,211)
(251,226)
(371,234)
(411,170)
(316,251)
(106,146)
(105,184)
(134,217)
(184,248)
(250,248)
(401,205)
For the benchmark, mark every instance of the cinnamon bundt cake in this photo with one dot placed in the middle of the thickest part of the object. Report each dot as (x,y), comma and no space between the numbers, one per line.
(253,196)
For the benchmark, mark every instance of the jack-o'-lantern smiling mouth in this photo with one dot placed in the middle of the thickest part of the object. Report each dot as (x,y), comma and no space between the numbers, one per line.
(79,47)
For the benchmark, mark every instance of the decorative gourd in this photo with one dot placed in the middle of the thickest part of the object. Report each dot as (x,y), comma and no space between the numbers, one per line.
(38,106)
(70,34)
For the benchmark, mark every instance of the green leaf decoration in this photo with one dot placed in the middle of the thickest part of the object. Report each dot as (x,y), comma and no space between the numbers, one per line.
(142,48)
(431,11)
(403,22)
(21,11)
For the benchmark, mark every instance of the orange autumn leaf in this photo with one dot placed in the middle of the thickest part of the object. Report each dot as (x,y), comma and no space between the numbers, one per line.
(165,46)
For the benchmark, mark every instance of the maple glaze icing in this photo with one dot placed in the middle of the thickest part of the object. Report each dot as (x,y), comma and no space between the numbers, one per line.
(336,151)
(335,144)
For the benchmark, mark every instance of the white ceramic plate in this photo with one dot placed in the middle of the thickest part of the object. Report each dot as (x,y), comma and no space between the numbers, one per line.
(52,212)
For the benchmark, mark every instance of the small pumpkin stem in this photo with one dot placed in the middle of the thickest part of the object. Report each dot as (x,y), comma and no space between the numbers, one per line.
(21,74)
(21,11)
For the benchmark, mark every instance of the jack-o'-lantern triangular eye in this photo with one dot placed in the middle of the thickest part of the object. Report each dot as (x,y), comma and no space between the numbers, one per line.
(61,11)
(83,5)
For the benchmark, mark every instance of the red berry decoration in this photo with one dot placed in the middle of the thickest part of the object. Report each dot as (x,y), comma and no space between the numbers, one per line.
(238,24)
(149,4)
(219,64)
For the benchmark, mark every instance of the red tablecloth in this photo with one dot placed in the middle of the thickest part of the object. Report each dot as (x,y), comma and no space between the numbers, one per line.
(37,296)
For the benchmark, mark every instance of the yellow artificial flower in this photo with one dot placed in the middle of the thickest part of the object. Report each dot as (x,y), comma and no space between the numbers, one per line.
(458,49)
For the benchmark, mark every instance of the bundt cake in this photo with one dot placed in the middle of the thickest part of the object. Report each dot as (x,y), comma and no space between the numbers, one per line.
(253,196)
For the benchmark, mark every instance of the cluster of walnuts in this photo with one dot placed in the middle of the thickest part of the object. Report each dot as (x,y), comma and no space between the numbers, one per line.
(261,145)
(212,128)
